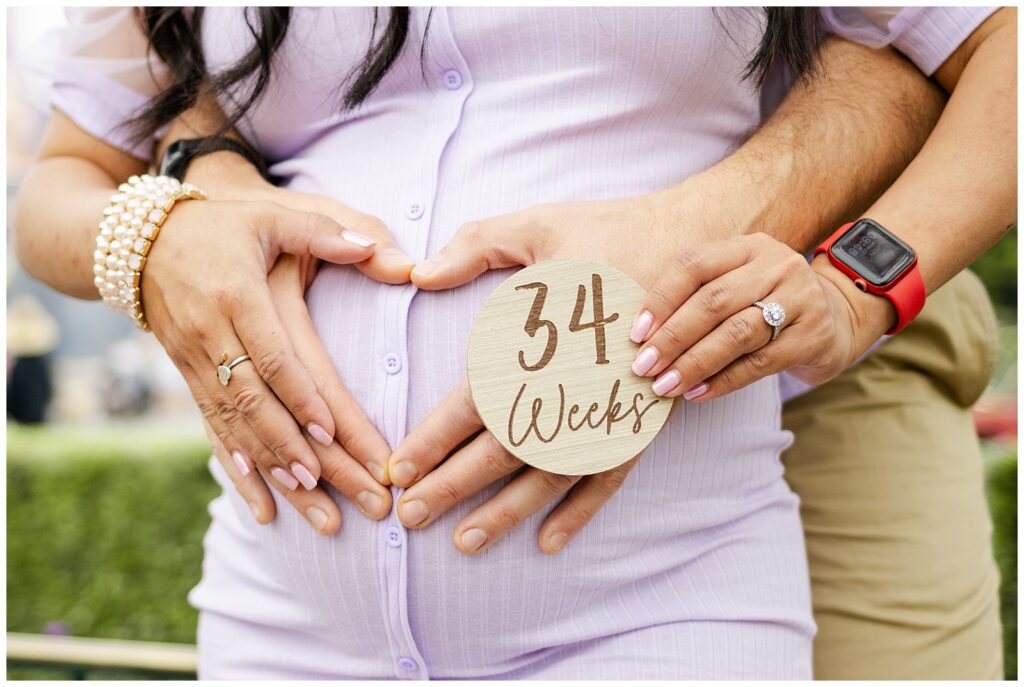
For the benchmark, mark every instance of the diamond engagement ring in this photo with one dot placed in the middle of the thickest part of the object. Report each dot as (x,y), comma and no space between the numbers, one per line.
(224,369)
(774,314)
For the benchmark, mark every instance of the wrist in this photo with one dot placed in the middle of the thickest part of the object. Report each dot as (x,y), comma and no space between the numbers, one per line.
(696,206)
(871,316)
(227,175)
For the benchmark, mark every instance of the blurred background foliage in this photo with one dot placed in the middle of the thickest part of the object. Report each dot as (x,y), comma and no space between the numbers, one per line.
(998,269)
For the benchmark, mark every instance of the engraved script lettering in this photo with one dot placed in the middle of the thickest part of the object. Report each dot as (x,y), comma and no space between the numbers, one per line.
(612,414)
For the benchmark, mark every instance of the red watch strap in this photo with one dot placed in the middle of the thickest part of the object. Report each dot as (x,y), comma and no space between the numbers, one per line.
(907,293)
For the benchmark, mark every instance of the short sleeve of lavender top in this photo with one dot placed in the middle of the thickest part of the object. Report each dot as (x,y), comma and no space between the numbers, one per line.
(926,35)
(96,71)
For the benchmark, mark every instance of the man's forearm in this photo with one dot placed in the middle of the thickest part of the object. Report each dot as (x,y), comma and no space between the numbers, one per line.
(837,141)
(835,144)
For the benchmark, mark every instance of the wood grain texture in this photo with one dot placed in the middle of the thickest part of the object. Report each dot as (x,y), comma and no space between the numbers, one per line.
(549,368)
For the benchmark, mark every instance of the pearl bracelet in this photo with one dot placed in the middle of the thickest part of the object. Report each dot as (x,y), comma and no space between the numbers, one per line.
(130,225)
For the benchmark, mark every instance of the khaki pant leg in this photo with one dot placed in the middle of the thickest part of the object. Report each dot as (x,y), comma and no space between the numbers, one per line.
(890,476)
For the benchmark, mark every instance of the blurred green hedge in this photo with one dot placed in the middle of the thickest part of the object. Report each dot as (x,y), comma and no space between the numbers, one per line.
(104,533)
(998,270)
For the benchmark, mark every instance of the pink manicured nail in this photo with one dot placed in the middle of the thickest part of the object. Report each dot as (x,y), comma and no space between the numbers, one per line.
(304,476)
(319,434)
(696,392)
(666,382)
(641,325)
(357,238)
(473,539)
(285,478)
(645,360)
(241,462)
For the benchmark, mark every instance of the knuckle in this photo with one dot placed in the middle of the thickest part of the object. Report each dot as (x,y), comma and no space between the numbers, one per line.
(281,446)
(689,261)
(333,470)
(794,261)
(669,338)
(227,410)
(660,300)
(250,402)
(554,483)
(301,404)
(471,232)
(728,377)
(694,362)
(580,513)
(271,366)
(760,361)
(369,225)
(227,298)
(498,461)
(448,492)
(505,517)
(436,449)
(610,482)
(262,456)
(208,409)
(263,208)
(713,298)
(740,332)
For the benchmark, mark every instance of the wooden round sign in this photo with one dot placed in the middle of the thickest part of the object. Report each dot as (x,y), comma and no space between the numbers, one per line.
(549,368)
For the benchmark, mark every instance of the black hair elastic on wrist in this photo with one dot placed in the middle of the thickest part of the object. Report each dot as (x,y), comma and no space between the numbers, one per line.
(180,154)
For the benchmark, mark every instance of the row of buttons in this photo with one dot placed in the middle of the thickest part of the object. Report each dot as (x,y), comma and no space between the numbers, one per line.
(394,536)
(453,82)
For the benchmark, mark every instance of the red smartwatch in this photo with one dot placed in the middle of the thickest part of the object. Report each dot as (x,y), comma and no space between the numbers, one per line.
(880,264)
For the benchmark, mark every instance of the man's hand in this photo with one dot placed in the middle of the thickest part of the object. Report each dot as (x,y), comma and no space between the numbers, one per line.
(635,235)
(475,460)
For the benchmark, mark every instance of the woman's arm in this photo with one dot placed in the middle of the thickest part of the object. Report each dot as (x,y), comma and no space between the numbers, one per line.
(205,291)
(60,202)
(959,195)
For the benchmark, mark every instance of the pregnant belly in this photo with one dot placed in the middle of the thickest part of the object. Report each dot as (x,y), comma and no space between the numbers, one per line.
(704,506)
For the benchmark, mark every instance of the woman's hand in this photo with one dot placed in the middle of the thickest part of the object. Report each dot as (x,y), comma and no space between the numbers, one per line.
(355,462)
(702,339)
(348,463)
(207,293)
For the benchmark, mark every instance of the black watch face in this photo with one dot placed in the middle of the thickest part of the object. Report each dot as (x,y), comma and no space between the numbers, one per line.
(873,252)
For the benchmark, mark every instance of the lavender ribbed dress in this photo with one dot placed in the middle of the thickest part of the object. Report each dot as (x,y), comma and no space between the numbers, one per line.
(696,568)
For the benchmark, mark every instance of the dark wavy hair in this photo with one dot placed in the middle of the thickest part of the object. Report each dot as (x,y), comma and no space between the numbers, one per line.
(792,36)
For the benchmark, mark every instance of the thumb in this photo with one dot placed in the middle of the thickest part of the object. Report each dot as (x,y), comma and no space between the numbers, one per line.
(388,263)
(284,230)
(490,244)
